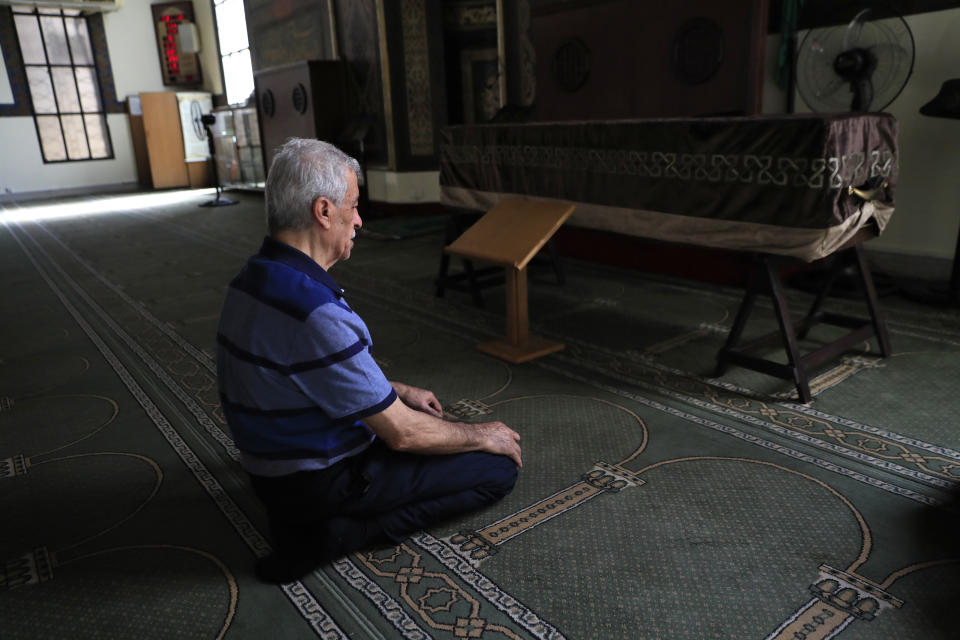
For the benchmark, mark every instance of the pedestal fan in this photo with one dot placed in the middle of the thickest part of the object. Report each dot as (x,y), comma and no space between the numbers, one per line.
(860,66)
(202,123)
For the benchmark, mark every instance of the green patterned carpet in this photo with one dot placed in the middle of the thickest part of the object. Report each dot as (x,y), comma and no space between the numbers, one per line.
(655,502)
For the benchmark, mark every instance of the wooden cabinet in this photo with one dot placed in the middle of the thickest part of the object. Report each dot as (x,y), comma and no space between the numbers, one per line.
(304,99)
(175,142)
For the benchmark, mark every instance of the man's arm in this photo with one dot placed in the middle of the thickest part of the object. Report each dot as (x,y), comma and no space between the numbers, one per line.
(419,399)
(405,429)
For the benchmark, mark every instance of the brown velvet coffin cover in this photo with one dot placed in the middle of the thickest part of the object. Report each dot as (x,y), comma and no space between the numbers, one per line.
(773,184)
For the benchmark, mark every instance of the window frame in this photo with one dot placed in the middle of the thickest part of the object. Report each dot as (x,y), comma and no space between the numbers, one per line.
(95,69)
(223,56)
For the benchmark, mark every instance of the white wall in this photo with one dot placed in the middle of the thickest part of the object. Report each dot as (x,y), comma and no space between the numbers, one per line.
(22,168)
(132,43)
(927,215)
(134,59)
(928,193)
(209,58)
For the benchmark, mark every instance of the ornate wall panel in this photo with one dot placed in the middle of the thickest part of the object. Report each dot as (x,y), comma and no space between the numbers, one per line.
(415,98)
(359,43)
(392,50)
(626,59)
(286,31)
(416,64)
(521,57)
(472,60)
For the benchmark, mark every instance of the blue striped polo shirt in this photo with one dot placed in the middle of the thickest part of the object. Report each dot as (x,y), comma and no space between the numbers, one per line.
(294,367)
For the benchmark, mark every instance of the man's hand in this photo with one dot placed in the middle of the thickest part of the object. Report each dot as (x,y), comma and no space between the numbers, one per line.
(419,399)
(500,439)
(403,428)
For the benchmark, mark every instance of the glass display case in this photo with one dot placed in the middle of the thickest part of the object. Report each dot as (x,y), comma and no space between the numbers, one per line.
(236,138)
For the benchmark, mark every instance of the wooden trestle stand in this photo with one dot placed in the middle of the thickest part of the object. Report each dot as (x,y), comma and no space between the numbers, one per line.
(509,235)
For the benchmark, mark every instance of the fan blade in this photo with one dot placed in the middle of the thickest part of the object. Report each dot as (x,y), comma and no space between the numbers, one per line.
(852,35)
(889,53)
(893,65)
(829,87)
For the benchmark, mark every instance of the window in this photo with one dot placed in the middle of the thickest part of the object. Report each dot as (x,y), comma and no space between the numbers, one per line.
(234,50)
(64,89)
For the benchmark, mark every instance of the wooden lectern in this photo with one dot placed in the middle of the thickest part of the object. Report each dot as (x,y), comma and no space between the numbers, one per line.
(509,235)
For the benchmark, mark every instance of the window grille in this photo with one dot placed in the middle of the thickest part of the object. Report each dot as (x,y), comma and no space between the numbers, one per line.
(65,93)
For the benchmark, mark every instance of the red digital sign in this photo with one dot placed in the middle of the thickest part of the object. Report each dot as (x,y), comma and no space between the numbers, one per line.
(177,42)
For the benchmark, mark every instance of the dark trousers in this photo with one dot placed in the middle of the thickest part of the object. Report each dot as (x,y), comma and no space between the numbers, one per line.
(377,496)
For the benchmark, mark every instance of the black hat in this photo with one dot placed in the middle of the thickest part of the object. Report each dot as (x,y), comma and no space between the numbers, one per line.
(947,103)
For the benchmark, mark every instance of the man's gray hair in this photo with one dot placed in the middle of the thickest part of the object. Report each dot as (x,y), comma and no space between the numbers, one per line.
(303,170)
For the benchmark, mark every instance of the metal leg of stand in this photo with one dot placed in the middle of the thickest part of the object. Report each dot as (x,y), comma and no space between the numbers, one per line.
(766,279)
(218,201)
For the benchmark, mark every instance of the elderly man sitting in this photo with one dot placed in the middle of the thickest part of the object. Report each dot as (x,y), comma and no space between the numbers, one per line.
(341,458)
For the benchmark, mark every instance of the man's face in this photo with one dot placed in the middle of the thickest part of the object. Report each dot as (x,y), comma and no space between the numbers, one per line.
(346,218)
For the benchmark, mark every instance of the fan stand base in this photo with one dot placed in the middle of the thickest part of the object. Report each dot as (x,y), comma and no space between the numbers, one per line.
(219,202)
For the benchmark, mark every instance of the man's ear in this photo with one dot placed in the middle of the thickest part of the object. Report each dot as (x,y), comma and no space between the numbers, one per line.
(322,208)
